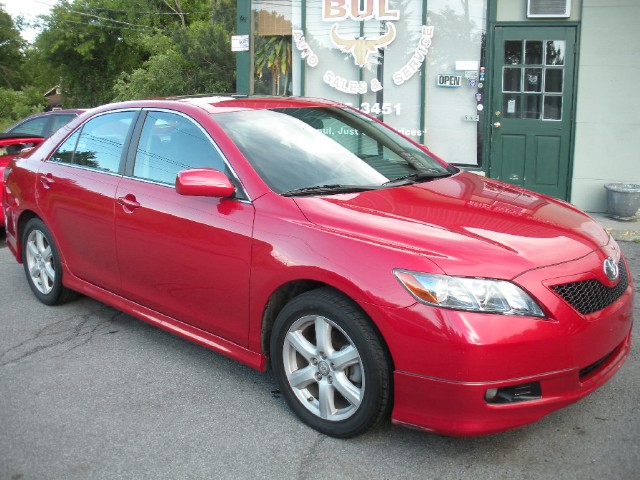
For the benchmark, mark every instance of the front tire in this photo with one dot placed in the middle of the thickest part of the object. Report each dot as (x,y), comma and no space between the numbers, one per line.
(41,262)
(330,364)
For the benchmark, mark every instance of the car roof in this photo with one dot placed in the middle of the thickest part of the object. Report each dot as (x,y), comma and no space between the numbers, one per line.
(222,104)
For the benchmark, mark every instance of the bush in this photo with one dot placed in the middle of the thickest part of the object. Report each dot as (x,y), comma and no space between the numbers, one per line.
(15,105)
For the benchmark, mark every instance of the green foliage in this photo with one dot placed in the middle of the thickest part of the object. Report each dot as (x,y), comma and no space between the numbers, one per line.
(192,60)
(10,51)
(273,54)
(100,50)
(87,48)
(15,105)
(36,72)
(160,76)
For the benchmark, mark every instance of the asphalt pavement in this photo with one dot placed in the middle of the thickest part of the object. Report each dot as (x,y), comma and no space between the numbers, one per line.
(87,392)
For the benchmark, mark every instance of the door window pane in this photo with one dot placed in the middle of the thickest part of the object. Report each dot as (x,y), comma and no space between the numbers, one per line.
(532,106)
(512,52)
(532,79)
(555,52)
(553,80)
(511,80)
(552,107)
(533,52)
(102,140)
(65,151)
(511,106)
(170,143)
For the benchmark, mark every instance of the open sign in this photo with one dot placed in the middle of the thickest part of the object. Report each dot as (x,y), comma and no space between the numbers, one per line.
(448,80)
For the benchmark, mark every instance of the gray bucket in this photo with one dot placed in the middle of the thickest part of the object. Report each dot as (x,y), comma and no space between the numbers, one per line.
(623,200)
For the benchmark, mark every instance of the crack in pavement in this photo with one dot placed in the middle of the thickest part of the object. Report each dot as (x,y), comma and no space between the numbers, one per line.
(307,458)
(76,330)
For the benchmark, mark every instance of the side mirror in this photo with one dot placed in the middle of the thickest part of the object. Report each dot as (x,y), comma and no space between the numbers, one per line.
(204,182)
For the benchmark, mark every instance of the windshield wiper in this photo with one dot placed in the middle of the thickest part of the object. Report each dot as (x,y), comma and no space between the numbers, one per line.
(327,189)
(416,177)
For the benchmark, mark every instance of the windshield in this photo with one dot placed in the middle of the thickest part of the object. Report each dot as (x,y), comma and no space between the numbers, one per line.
(297,149)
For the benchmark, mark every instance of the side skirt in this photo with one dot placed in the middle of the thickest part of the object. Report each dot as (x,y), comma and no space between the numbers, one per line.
(241,354)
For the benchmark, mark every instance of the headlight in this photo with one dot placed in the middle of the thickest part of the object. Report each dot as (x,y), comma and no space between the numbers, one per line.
(472,294)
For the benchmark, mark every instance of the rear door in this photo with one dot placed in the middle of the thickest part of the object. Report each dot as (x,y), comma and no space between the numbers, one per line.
(77,187)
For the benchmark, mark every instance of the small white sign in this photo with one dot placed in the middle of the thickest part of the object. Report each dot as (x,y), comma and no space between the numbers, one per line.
(467,65)
(239,43)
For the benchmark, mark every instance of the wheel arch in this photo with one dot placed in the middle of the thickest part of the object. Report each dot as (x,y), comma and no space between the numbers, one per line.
(287,292)
(21,224)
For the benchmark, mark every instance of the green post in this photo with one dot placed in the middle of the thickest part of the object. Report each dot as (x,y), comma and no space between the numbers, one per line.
(243,59)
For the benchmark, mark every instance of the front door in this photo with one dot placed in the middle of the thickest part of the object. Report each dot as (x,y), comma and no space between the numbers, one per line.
(186,257)
(532,107)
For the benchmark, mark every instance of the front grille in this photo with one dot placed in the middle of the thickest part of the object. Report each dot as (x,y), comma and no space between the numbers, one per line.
(590,295)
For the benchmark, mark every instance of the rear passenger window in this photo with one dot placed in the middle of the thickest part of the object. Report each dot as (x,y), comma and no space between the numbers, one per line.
(99,143)
(170,143)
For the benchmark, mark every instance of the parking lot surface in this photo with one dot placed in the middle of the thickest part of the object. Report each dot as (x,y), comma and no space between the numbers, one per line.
(89,392)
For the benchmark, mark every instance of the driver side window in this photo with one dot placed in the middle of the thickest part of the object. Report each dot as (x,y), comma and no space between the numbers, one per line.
(170,143)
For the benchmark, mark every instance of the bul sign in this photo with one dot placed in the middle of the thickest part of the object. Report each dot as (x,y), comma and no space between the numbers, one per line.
(364,50)
(333,10)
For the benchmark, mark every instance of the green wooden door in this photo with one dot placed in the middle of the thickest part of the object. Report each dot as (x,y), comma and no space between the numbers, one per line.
(532,107)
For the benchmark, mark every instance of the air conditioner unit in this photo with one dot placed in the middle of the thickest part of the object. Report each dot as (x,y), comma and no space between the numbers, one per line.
(548,8)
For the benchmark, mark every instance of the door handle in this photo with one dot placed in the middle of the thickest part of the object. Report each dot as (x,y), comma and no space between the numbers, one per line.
(47,180)
(128,203)
(497,125)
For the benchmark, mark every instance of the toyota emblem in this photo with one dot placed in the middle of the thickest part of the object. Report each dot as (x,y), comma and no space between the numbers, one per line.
(611,269)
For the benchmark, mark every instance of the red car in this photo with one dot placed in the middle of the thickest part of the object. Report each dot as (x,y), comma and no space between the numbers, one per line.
(10,146)
(371,276)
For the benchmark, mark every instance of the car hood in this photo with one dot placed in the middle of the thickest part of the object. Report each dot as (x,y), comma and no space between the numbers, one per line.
(466,224)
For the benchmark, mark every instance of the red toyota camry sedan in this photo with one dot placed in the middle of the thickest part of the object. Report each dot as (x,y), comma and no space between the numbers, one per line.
(374,279)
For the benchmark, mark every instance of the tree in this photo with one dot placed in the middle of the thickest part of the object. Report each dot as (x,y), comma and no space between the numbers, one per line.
(273,54)
(15,105)
(100,50)
(11,57)
(88,44)
(191,59)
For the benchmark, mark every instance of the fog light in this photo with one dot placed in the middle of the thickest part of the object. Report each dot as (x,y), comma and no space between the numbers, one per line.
(514,393)
(490,394)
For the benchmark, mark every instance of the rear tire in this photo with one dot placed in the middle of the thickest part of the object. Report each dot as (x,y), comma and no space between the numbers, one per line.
(41,261)
(330,364)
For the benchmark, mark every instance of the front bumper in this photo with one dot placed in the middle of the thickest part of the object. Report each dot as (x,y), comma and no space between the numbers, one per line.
(448,363)
(460,409)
